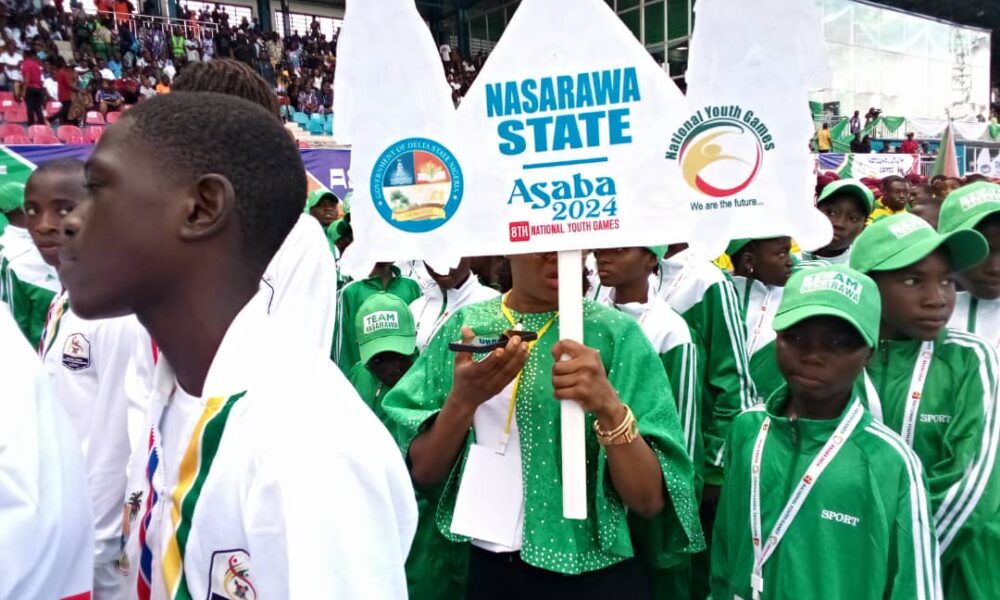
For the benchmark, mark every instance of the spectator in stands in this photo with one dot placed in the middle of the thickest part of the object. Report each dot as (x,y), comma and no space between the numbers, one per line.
(192,48)
(34,92)
(941,186)
(177,40)
(824,141)
(115,67)
(164,86)
(11,60)
(910,145)
(128,86)
(309,101)
(242,51)
(108,98)
(67,85)
(102,40)
(856,123)
(207,48)
(326,96)
(223,44)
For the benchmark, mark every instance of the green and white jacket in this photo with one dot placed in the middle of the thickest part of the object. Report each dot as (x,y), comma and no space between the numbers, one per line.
(27,284)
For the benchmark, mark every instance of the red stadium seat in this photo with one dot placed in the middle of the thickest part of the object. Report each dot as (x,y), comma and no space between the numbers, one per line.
(113,117)
(11,129)
(45,138)
(68,131)
(16,114)
(16,140)
(77,139)
(36,130)
(94,133)
(6,96)
(304,144)
(94,118)
(52,108)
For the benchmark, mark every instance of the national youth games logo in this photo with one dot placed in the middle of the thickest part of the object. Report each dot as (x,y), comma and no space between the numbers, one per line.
(720,149)
(417,185)
(721,158)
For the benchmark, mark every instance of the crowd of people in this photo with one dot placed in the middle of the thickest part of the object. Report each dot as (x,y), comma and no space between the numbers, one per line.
(120,57)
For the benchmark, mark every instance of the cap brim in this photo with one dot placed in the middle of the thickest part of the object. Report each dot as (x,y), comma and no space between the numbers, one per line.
(400,344)
(967,247)
(973,220)
(784,320)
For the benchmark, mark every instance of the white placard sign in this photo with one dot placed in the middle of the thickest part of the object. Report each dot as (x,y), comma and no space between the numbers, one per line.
(395,105)
(566,124)
(742,150)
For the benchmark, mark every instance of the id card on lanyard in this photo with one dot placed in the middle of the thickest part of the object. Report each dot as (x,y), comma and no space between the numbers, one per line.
(913,395)
(754,333)
(763,549)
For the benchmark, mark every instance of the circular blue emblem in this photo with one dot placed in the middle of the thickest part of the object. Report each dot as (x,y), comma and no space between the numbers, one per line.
(417,185)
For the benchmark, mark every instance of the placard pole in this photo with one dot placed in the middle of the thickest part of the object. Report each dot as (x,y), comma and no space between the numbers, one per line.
(572,423)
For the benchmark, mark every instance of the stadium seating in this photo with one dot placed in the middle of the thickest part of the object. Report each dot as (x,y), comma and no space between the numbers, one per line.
(67,132)
(16,114)
(36,130)
(16,140)
(113,117)
(11,129)
(95,118)
(45,138)
(77,139)
(94,133)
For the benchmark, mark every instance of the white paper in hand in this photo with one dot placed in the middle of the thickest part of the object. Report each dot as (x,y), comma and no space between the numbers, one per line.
(490,498)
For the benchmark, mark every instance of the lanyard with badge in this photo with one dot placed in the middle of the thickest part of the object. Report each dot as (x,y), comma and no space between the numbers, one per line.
(677,282)
(761,313)
(916,391)
(490,500)
(763,549)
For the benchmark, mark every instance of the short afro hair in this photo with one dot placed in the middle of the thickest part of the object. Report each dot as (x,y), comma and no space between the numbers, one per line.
(200,133)
(61,165)
(227,76)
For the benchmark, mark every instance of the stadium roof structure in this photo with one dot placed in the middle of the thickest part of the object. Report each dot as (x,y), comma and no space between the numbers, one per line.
(975,13)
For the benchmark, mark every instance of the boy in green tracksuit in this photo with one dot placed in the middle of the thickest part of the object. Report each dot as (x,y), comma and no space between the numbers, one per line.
(977,308)
(384,278)
(937,387)
(821,501)
(27,283)
(387,342)
(847,204)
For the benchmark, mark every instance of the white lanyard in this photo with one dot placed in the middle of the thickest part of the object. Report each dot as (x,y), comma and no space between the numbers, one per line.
(762,552)
(755,333)
(916,391)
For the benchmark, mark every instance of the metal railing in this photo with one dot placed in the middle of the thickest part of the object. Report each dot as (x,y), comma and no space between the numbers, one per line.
(133,22)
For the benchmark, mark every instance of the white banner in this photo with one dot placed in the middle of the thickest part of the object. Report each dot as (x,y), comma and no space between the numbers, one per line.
(742,151)
(883,165)
(568,119)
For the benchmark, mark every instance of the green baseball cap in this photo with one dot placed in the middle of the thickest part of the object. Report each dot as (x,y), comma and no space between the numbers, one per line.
(902,239)
(385,324)
(834,291)
(965,207)
(316,195)
(11,196)
(658,251)
(737,245)
(851,187)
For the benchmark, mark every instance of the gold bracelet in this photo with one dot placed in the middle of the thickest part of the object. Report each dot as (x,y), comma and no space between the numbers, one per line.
(625,433)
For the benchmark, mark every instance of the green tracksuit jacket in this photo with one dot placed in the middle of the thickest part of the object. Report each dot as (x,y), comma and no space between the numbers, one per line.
(956,437)
(354,294)
(704,295)
(28,303)
(437,568)
(863,532)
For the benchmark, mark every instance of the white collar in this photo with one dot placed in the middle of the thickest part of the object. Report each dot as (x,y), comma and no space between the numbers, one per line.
(241,355)
(634,309)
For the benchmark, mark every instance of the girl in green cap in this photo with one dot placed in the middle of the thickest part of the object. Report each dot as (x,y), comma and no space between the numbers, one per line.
(815,486)
(937,388)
